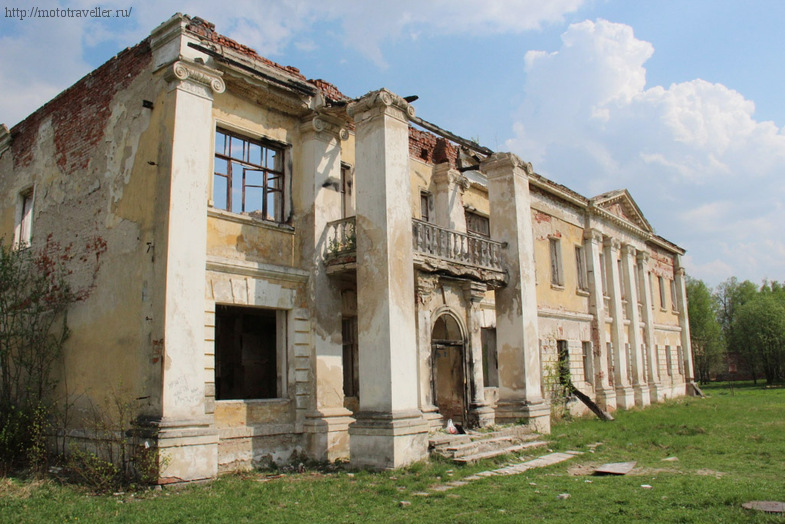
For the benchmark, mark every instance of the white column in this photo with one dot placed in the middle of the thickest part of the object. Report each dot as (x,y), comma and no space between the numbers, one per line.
(655,389)
(327,421)
(605,394)
(479,411)
(520,371)
(186,439)
(389,430)
(449,185)
(684,321)
(639,387)
(624,395)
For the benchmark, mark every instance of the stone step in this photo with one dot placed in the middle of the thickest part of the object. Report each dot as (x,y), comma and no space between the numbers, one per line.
(443,440)
(497,452)
(483,445)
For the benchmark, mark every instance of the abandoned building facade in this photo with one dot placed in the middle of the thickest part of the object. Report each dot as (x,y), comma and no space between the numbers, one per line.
(272,268)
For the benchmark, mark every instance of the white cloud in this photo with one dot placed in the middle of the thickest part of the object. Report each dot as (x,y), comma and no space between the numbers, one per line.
(42,57)
(704,171)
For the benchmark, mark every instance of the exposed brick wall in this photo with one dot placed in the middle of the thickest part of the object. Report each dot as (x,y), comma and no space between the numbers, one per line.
(79,113)
(206,30)
(329,90)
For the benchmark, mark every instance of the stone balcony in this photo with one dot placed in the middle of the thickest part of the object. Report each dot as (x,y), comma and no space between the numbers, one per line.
(435,249)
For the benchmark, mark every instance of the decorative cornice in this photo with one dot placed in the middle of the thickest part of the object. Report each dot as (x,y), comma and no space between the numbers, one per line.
(382,101)
(624,224)
(186,71)
(5,139)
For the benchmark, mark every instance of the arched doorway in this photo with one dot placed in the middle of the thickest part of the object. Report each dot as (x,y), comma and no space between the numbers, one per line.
(449,369)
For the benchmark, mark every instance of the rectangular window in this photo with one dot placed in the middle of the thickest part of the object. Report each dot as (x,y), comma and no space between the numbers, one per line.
(425,214)
(248,176)
(478,224)
(24,223)
(250,353)
(603,276)
(638,284)
(611,362)
(351,362)
(490,365)
(556,267)
(661,283)
(621,281)
(651,291)
(588,363)
(564,362)
(669,361)
(580,267)
(346,191)
(673,296)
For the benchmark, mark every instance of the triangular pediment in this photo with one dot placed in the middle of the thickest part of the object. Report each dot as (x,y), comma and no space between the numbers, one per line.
(620,204)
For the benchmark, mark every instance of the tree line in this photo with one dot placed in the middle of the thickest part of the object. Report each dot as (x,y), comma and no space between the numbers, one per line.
(737,330)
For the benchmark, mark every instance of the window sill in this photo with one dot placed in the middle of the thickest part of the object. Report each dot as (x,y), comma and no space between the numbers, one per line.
(254,400)
(246,219)
(557,287)
(582,292)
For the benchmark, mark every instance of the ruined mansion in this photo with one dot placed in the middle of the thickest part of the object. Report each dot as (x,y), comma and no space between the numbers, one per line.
(270,267)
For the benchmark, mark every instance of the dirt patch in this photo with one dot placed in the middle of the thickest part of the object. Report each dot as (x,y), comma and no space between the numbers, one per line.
(709,473)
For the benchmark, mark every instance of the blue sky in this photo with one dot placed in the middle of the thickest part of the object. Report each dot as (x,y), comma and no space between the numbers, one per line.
(681,102)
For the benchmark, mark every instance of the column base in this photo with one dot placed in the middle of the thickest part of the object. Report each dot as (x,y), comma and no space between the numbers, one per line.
(642,395)
(327,434)
(625,397)
(481,415)
(535,414)
(388,440)
(606,399)
(656,393)
(187,449)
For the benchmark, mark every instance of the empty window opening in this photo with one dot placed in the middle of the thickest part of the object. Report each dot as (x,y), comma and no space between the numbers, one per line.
(621,281)
(680,360)
(669,361)
(248,176)
(490,363)
(673,296)
(556,267)
(588,363)
(351,362)
(603,276)
(563,350)
(346,191)
(249,353)
(661,283)
(478,224)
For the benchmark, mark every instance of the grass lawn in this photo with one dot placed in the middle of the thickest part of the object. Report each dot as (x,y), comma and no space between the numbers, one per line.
(730,449)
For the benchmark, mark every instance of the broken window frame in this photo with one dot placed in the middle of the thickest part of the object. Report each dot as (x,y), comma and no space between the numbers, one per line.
(580,268)
(557,273)
(674,303)
(477,224)
(231,318)
(588,361)
(272,185)
(23,232)
(490,362)
(347,209)
(425,206)
(661,283)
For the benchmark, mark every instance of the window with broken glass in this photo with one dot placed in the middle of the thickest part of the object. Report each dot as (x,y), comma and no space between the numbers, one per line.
(478,224)
(580,265)
(248,176)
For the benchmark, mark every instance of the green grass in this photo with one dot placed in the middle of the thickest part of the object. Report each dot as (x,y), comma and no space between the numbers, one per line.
(730,449)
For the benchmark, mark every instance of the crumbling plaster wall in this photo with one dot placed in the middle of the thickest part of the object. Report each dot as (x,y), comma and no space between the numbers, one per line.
(97,205)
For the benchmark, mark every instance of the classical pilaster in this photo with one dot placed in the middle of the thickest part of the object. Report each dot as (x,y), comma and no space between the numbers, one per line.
(653,371)
(639,387)
(624,394)
(449,185)
(520,370)
(684,321)
(186,438)
(327,421)
(427,284)
(480,413)
(389,429)
(604,392)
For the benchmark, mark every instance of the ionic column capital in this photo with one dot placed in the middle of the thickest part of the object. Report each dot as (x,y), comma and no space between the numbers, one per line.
(195,78)
(380,102)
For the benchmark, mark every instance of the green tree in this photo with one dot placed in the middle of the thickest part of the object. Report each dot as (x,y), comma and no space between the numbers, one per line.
(759,333)
(730,296)
(708,347)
